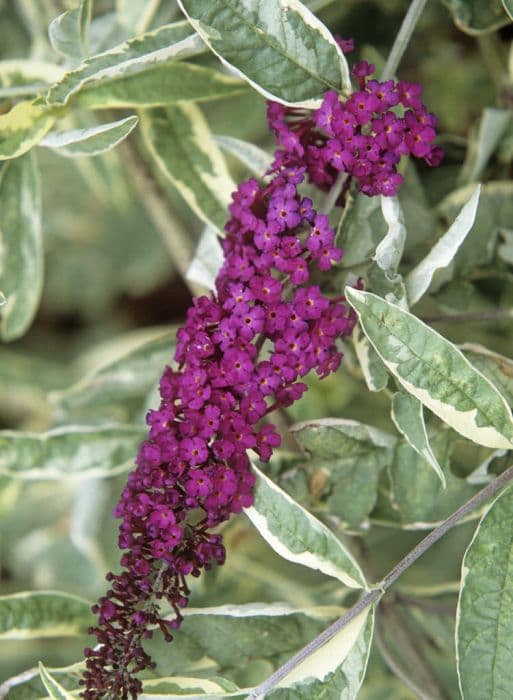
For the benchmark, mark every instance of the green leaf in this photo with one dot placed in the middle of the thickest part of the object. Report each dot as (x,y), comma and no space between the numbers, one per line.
(374,371)
(335,670)
(68,31)
(434,371)
(187,686)
(477,16)
(508,6)
(157,85)
(20,77)
(416,492)
(254,158)
(54,688)
(22,128)
(299,537)
(360,230)
(492,127)
(91,141)
(184,151)
(346,458)
(169,42)
(278,46)
(128,374)
(390,249)
(136,16)
(21,259)
(29,686)
(495,367)
(484,631)
(208,259)
(37,614)
(495,213)
(72,451)
(443,252)
(328,437)
(408,417)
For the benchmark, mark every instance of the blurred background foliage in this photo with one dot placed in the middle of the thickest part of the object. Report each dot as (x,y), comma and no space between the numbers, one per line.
(113,292)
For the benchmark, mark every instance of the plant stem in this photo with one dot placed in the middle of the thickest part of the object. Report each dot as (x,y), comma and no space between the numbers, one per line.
(403,38)
(374,594)
(494,315)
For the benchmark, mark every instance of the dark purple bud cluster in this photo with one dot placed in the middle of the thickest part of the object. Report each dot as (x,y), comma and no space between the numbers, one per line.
(363,136)
(240,356)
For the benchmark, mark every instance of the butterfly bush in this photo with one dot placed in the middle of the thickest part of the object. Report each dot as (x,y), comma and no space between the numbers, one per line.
(241,355)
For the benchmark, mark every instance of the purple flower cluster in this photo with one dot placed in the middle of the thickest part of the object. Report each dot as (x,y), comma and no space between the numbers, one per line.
(240,355)
(363,136)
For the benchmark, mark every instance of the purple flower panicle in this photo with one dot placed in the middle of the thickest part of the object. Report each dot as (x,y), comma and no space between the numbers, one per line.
(243,353)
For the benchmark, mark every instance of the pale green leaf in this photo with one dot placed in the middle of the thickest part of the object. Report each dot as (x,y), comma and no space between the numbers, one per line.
(484,633)
(20,77)
(390,250)
(298,536)
(21,248)
(482,474)
(278,46)
(360,229)
(241,628)
(494,214)
(54,688)
(417,497)
(91,141)
(336,669)
(22,128)
(118,375)
(434,371)
(43,614)
(208,259)
(443,252)
(169,42)
(492,127)
(184,151)
(254,158)
(68,452)
(136,16)
(495,367)
(28,684)
(185,686)
(346,459)
(508,6)
(89,504)
(477,16)
(374,371)
(408,417)
(326,436)
(157,85)
(68,31)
